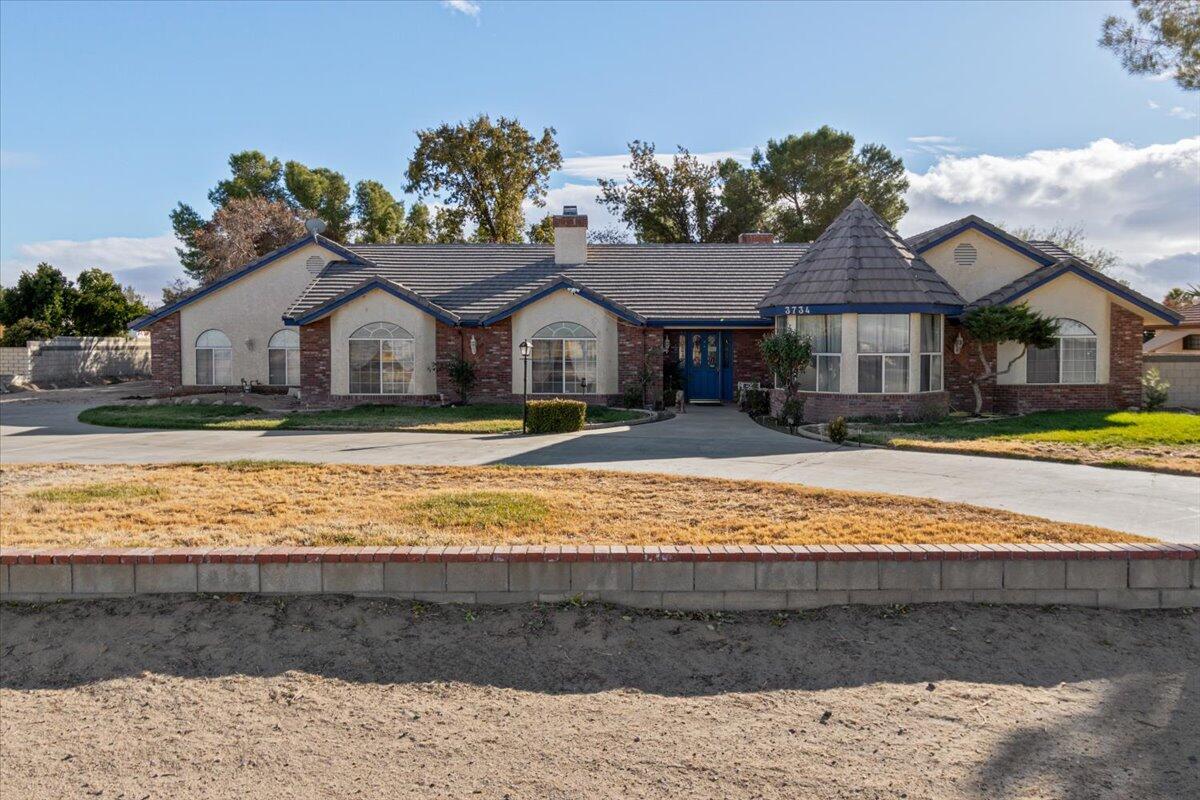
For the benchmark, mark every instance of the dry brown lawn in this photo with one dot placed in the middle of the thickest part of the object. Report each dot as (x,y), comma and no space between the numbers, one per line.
(284,503)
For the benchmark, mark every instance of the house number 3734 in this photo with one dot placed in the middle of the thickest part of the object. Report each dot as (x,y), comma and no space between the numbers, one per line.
(796,309)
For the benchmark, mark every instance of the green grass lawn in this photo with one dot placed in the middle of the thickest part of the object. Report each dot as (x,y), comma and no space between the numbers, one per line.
(476,418)
(1155,440)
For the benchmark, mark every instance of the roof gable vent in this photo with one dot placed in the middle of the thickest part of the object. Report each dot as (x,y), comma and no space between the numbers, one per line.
(315,264)
(965,254)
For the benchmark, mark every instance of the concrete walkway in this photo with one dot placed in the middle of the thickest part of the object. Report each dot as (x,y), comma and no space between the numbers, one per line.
(708,441)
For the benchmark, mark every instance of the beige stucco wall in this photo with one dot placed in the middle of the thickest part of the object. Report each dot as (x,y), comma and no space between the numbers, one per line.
(249,311)
(997,265)
(562,306)
(379,306)
(1069,297)
(849,365)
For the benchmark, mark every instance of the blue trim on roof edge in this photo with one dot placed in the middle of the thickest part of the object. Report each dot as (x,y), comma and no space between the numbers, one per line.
(369,286)
(1035,255)
(1118,290)
(171,308)
(865,308)
(561,285)
(709,323)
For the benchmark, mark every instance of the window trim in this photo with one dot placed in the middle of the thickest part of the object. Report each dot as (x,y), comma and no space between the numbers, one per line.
(940,353)
(379,340)
(212,350)
(1058,346)
(815,365)
(1193,338)
(594,360)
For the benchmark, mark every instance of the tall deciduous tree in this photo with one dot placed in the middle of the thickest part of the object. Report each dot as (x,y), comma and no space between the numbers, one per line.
(323,193)
(418,227)
(1073,239)
(1162,37)
(811,178)
(542,232)
(380,216)
(102,306)
(241,231)
(486,170)
(45,295)
(683,200)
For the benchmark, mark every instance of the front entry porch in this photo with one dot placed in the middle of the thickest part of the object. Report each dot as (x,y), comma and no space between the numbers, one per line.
(705,365)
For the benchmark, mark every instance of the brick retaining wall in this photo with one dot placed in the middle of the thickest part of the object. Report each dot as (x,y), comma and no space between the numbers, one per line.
(734,577)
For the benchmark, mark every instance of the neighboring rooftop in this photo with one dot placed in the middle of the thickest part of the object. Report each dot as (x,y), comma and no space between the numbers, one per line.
(667,282)
(860,261)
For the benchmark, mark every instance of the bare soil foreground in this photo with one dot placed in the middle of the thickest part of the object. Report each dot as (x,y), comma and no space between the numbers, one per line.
(287,503)
(338,697)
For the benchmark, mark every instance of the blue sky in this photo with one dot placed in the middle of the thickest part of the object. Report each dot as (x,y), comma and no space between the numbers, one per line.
(110,114)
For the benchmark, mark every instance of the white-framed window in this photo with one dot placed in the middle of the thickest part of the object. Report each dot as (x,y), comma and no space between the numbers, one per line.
(931,352)
(283,358)
(1072,358)
(824,373)
(214,359)
(883,353)
(382,359)
(1191,341)
(564,359)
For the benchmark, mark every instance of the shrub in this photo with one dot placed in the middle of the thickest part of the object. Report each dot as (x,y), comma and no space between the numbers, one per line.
(633,396)
(792,412)
(25,330)
(462,376)
(838,430)
(557,415)
(756,402)
(1154,388)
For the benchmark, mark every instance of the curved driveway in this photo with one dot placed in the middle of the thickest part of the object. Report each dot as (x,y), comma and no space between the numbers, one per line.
(717,442)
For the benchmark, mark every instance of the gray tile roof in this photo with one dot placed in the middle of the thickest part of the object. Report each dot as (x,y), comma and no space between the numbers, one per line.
(709,282)
(859,260)
(1031,280)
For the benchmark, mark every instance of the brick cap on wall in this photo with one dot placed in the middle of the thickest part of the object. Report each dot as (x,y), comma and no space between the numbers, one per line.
(597,553)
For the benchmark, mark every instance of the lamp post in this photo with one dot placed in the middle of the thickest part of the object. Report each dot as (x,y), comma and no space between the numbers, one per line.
(526,351)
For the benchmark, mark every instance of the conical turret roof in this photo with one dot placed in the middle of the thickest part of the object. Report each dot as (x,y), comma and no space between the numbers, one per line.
(860,264)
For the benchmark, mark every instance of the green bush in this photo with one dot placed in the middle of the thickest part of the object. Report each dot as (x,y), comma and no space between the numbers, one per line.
(756,402)
(792,412)
(1155,389)
(838,430)
(633,396)
(557,415)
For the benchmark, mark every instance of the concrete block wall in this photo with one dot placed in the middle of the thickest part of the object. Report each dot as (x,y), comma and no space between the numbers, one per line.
(67,360)
(730,578)
(14,362)
(1182,371)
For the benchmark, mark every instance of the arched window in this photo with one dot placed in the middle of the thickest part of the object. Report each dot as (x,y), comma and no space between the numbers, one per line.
(564,359)
(214,359)
(382,359)
(283,358)
(1072,359)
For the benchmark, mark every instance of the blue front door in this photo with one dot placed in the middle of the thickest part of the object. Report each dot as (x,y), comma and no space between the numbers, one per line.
(708,363)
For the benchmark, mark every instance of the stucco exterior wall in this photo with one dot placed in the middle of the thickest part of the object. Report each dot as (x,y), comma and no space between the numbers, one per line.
(249,311)
(997,265)
(379,306)
(1069,297)
(562,306)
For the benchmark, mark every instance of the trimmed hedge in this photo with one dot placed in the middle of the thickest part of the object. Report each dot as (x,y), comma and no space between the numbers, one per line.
(557,415)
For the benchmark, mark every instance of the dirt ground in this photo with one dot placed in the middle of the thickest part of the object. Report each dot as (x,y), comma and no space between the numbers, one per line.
(340,697)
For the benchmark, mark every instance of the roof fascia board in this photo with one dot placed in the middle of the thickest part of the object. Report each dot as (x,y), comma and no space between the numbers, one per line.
(1116,289)
(1034,255)
(683,322)
(862,308)
(328,307)
(562,284)
(274,255)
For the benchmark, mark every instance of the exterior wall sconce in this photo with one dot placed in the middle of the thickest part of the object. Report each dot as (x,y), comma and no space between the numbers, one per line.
(474,345)
(958,344)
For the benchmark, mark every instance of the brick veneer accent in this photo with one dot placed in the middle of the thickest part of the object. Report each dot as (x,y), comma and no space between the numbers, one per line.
(824,406)
(315,362)
(636,346)
(748,363)
(166,360)
(493,359)
(956,368)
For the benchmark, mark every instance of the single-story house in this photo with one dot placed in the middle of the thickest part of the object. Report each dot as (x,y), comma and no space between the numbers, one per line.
(379,322)
(1174,351)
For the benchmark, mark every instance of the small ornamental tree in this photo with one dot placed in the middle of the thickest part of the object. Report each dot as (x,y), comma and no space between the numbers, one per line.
(996,324)
(787,354)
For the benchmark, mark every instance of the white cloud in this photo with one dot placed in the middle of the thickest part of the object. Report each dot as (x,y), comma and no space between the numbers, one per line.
(1153,105)
(935,145)
(470,8)
(593,167)
(147,263)
(1179,112)
(1141,202)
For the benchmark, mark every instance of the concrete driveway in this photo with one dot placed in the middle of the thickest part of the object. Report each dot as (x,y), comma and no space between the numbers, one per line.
(707,441)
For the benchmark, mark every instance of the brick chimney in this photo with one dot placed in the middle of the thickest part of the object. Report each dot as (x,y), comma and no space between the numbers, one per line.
(756,238)
(570,236)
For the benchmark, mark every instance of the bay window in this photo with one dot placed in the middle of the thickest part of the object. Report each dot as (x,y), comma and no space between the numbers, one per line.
(824,373)
(1071,359)
(883,353)
(931,353)
(564,359)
